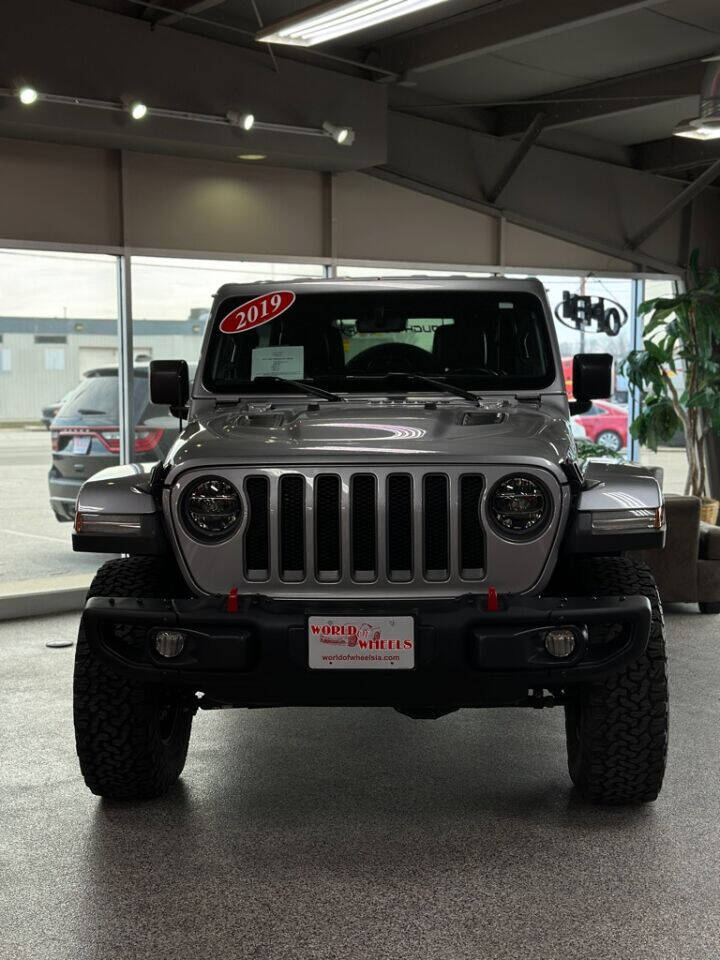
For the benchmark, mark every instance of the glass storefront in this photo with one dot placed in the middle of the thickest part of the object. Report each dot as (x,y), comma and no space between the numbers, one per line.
(59,382)
(58,322)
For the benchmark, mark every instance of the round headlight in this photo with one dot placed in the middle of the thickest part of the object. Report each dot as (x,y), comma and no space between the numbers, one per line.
(519,506)
(212,509)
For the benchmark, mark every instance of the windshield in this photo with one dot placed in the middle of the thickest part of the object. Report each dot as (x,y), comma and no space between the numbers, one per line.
(362,341)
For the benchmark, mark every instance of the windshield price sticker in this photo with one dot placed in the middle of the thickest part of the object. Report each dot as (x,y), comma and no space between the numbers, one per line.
(256,312)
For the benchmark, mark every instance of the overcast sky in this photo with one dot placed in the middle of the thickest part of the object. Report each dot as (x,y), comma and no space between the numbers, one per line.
(43,284)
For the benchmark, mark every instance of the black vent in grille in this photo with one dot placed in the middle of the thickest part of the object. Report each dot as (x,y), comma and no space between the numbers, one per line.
(327,527)
(399,526)
(436,524)
(257,536)
(472,543)
(292,527)
(364,530)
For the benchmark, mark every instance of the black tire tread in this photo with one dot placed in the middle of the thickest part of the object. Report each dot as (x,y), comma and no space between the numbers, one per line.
(121,755)
(620,757)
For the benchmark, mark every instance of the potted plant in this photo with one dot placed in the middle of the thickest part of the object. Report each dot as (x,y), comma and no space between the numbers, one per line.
(681,337)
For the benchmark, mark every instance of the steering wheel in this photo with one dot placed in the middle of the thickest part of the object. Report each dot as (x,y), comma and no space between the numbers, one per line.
(392,358)
(474,370)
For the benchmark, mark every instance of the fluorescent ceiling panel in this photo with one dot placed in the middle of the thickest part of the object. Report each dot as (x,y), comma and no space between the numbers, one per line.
(327,21)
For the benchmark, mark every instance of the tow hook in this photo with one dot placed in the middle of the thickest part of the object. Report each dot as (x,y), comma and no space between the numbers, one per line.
(232,601)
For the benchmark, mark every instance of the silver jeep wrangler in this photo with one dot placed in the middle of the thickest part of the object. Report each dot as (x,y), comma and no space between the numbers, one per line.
(377,501)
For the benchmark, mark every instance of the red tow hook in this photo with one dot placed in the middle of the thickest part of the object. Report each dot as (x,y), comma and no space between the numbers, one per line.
(232,601)
(492,600)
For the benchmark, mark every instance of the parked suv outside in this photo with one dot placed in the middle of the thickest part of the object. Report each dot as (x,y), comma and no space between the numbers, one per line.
(377,501)
(85,433)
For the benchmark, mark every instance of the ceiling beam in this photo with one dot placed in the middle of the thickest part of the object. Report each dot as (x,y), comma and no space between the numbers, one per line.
(493,27)
(678,203)
(589,101)
(194,7)
(523,148)
(674,155)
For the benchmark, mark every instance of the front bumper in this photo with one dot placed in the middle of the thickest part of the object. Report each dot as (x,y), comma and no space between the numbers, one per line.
(465,655)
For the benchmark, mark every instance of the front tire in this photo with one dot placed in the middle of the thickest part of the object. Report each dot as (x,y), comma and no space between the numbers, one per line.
(709,606)
(617,728)
(131,738)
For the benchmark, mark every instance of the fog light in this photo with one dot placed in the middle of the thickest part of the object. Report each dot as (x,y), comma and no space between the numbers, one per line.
(169,643)
(560,643)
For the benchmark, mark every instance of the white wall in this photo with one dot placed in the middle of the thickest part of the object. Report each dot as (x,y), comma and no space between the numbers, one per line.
(73,195)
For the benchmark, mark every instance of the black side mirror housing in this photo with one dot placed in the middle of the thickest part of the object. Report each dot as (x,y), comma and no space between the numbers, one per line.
(170,384)
(592,380)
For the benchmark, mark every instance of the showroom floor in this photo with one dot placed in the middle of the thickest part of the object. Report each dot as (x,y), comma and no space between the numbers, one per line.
(356,833)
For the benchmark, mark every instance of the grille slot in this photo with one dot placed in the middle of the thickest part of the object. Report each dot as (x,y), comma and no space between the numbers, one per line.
(399,527)
(472,540)
(436,526)
(327,528)
(257,536)
(363,510)
(292,528)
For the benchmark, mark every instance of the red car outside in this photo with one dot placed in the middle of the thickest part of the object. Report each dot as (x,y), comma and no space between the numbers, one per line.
(606,423)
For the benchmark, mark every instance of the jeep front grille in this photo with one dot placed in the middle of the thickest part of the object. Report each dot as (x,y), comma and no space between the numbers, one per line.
(362,527)
(370,531)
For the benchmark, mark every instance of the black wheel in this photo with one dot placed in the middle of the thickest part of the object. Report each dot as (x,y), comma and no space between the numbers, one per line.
(131,738)
(707,606)
(617,728)
(610,439)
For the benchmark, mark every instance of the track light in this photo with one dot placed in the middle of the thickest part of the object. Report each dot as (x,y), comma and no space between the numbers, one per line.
(244,120)
(345,136)
(325,21)
(137,109)
(27,95)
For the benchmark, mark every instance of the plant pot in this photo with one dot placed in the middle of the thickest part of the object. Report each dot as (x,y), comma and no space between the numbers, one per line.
(709,510)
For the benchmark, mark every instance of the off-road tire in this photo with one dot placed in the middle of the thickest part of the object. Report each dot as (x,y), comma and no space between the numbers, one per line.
(709,606)
(617,728)
(131,738)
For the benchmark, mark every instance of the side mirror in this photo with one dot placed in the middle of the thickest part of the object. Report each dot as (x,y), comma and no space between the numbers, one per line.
(170,384)
(592,380)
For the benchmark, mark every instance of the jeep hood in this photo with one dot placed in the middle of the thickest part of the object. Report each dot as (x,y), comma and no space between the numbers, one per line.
(376,431)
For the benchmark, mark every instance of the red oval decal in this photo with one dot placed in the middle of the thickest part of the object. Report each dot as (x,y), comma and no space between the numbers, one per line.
(258,311)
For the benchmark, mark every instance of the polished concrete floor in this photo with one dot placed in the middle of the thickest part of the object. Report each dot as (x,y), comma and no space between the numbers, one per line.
(356,834)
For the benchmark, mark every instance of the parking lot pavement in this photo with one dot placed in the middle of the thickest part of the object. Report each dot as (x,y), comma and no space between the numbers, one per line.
(35,545)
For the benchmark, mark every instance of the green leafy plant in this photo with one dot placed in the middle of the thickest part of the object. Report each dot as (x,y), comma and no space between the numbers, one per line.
(681,340)
(587,449)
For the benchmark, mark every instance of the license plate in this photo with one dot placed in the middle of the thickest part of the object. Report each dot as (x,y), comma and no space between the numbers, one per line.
(81,444)
(361,643)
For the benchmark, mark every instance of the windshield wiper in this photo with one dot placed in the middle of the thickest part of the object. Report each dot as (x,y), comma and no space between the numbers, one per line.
(438,384)
(303,387)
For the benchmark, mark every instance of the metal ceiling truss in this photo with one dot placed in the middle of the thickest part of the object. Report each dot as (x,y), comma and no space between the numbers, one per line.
(493,27)
(591,101)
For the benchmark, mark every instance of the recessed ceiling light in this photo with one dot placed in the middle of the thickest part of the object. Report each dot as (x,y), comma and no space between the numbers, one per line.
(334,19)
(252,156)
(27,95)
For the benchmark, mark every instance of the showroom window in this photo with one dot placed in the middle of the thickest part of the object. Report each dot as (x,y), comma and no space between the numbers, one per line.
(171,301)
(56,309)
(671,456)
